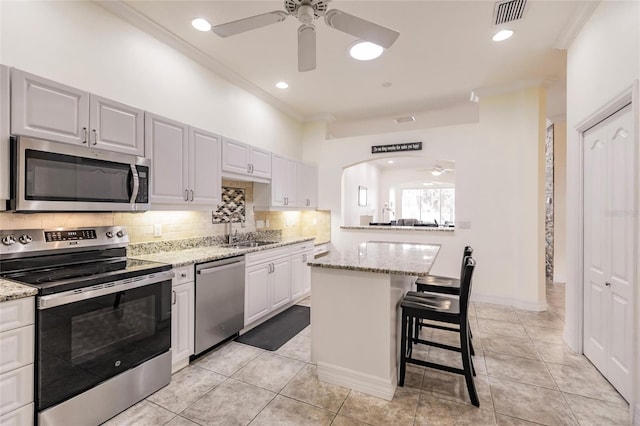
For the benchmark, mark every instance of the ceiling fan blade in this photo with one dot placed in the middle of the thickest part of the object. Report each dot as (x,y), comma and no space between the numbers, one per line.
(248,24)
(361,28)
(306,47)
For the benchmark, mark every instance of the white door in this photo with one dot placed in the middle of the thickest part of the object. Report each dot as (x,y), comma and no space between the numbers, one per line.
(256,296)
(235,157)
(260,163)
(278,180)
(608,247)
(204,175)
(46,109)
(182,322)
(280,282)
(167,142)
(116,127)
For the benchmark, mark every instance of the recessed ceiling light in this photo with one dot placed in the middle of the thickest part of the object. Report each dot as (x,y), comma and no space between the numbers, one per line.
(282,85)
(201,24)
(502,35)
(365,51)
(405,119)
(386,84)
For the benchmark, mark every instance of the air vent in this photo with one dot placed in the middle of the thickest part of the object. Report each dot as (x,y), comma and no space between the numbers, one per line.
(407,119)
(508,11)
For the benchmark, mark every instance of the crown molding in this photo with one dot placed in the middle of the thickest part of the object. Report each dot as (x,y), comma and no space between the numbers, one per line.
(325,116)
(573,27)
(143,23)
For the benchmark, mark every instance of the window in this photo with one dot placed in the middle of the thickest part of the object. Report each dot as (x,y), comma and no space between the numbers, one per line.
(431,204)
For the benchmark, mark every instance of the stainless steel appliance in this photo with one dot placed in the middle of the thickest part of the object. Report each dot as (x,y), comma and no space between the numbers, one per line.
(219,301)
(52,176)
(103,322)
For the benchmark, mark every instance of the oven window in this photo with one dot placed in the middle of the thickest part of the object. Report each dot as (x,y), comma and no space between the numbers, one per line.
(84,343)
(58,177)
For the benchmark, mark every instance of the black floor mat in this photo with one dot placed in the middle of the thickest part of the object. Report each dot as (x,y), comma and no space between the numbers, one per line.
(278,330)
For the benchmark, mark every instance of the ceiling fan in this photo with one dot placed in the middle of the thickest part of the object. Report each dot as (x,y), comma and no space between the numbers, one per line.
(306,11)
(437,170)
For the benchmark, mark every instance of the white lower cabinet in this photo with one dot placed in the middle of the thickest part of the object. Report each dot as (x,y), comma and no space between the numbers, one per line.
(300,271)
(267,283)
(182,317)
(16,361)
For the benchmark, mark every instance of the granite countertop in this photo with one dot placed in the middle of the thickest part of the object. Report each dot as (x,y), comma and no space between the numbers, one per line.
(10,290)
(184,257)
(400,228)
(383,257)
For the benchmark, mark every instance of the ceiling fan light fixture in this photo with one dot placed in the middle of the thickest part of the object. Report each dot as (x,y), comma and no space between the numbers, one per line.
(282,85)
(437,171)
(502,35)
(365,50)
(201,24)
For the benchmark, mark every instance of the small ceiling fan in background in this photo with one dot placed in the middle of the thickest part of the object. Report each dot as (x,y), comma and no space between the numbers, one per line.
(306,11)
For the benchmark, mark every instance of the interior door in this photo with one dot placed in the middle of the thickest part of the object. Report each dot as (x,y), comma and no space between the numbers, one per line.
(608,247)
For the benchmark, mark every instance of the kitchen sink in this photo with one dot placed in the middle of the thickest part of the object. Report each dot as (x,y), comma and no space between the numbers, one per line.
(249,244)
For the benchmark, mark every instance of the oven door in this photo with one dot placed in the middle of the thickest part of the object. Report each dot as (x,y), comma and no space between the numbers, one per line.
(85,338)
(50,176)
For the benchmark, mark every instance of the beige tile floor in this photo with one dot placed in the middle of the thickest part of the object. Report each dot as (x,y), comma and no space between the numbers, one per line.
(525,376)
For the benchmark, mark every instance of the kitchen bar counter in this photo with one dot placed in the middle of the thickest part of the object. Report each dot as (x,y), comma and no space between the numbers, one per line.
(400,228)
(184,257)
(10,290)
(355,317)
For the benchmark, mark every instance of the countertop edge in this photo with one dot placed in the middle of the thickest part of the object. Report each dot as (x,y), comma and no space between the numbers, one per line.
(11,290)
(190,256)
(399,228)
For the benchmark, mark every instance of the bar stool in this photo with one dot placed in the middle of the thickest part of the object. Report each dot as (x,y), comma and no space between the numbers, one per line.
(448,309)
(444,285)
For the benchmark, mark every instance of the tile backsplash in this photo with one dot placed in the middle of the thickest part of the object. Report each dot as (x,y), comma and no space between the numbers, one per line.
(176,225)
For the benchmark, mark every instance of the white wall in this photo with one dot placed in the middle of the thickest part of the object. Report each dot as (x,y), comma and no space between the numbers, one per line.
(559,202)
(81,44)
(602,63)
(362,174)
(499,177)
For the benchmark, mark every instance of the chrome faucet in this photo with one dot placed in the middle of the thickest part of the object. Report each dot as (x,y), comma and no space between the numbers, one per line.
(232,238)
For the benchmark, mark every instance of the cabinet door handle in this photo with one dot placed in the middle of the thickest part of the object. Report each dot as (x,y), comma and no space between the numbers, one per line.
(85,135)
(248,168)
(191,192)
(95,137)
(186,195)
(174,297)
(607,284)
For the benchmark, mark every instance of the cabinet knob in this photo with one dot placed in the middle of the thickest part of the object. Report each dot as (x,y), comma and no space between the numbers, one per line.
(607,284)
(183,275)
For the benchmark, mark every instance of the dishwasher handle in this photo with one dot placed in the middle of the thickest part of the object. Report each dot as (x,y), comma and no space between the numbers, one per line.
(222,267)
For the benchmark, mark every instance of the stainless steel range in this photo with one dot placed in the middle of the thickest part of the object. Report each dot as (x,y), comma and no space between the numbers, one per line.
(103,322)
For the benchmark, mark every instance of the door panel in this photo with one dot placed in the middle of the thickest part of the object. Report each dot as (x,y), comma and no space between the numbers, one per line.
(609,260)
(205,174)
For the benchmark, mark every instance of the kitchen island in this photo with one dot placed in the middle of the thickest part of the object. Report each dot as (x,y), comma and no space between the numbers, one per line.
(355,315)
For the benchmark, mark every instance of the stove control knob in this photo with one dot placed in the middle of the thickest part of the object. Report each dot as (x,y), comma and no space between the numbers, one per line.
(109,234)
(7,240)
(120,233)
(25,239)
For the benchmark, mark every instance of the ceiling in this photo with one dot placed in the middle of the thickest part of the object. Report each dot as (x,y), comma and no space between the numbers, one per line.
(444,52)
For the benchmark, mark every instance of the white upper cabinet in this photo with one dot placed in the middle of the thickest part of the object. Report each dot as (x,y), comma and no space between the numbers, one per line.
(115,126)
(185,168)
(204,168)
(284,181)
(46,109)
(4,135)
(243,161)
(308,191)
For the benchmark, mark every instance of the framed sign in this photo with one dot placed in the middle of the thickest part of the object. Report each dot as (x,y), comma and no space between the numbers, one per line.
(396,147)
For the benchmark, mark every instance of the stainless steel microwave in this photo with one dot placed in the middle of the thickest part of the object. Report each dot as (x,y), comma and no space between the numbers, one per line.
(53,176)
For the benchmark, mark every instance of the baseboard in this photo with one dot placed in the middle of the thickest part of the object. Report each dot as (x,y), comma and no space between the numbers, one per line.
(361,382)
(508,301)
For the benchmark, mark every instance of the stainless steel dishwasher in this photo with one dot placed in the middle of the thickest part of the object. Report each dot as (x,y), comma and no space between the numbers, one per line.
(219,301)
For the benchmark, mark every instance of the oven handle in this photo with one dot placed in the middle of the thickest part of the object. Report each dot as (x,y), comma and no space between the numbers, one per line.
(66,297)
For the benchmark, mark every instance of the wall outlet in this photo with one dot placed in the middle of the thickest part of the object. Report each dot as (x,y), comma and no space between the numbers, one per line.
(266,223)
(157,230)
(259,224)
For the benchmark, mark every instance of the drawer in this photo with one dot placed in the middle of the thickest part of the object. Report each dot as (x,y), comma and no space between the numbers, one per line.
(16,348)
(184,274)
(16,389)
(23,416)
(266,255)
(302,247)
(17,313)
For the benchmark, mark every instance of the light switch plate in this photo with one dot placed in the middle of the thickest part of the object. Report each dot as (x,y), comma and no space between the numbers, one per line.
(157,230)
